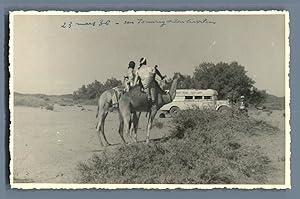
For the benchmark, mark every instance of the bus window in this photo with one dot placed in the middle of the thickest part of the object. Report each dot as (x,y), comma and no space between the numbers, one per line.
(198,97)
(207,97)
(188,97)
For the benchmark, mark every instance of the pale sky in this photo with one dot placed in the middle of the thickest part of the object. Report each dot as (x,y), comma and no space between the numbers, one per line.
(54,60)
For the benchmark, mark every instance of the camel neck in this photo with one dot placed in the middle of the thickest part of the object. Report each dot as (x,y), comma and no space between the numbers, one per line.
(173,88)
(172,92)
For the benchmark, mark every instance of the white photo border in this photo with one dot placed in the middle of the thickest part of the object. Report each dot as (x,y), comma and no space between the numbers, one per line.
(286,185)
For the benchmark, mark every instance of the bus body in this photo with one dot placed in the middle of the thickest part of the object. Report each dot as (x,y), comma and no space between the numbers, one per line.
(189,98)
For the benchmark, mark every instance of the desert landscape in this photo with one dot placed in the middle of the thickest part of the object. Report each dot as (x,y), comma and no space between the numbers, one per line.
(48,145)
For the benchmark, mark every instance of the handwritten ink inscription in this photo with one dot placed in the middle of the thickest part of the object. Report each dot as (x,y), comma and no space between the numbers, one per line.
(163,23)
(128,22)
(139,21)
(91,24)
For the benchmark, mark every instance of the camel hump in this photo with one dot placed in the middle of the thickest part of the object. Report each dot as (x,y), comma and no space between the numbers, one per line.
(135,90)
(119,88)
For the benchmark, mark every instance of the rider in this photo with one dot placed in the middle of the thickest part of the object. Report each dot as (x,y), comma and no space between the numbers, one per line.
(146,75)
(129,79)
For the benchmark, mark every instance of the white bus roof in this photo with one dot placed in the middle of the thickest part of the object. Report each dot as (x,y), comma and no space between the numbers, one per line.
(206,92)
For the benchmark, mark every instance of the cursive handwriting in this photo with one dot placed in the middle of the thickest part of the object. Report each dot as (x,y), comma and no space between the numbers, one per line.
(72,24)
(139,21)
(163,23)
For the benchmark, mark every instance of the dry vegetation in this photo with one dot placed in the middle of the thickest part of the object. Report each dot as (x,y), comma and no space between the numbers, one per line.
(204,147)
(42,101)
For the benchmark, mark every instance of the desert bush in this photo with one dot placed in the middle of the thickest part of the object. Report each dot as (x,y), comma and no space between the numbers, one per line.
(190,119)
(158,124)
(20,100)
(41,100)
(210,120)
(274,103)
(95,89)
(209,151)
(49,107)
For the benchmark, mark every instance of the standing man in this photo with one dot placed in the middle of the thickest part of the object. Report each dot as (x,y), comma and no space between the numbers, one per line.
(243,105)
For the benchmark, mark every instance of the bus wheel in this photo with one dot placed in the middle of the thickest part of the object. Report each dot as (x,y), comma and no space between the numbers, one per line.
(224,109)
(174,111)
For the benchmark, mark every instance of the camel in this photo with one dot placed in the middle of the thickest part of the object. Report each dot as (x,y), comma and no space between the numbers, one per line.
(104,103)
(136,101)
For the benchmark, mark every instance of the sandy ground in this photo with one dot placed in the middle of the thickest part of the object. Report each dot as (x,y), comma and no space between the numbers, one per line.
(49,144)
(272,144)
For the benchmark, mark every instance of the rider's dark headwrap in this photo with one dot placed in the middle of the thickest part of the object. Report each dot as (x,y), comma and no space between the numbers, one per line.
(131,64)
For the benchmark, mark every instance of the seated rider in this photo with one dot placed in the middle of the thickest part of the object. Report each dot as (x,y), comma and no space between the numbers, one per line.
(128,83)
(129,79)
(146,75)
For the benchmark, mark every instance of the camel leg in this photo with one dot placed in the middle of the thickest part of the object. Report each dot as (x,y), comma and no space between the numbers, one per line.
(126,121)
(135,121)
(121,128)
(102,128)
(149,125)
(102,113)
(98,128)
(131,126)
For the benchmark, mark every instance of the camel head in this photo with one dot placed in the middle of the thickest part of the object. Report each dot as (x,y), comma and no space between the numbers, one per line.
(178,76)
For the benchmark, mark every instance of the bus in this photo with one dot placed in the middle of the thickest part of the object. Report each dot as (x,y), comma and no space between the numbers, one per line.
(189,98)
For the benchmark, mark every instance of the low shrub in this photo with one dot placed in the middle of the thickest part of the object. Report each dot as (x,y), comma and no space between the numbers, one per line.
(210,120)
(158,124)
(49,107)
(203,149)
(29,101)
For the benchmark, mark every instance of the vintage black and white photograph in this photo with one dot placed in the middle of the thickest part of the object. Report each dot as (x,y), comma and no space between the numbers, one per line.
(148,99)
